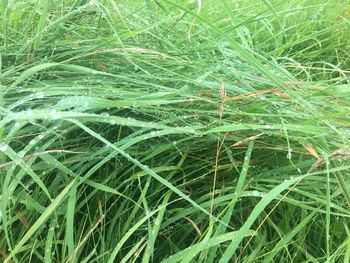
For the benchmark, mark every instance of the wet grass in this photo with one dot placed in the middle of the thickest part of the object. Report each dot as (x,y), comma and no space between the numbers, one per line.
(174,131)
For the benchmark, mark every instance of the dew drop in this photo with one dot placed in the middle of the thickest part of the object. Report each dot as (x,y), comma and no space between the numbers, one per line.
(3,147)
(39,95)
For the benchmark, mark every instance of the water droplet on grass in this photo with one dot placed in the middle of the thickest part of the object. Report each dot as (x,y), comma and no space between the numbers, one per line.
(3,147)
(39,95)
(53,113)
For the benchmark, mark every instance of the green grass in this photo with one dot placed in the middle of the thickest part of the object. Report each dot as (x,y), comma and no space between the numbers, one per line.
(174,131)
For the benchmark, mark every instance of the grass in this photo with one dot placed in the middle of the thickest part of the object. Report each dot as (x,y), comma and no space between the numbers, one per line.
(174,131)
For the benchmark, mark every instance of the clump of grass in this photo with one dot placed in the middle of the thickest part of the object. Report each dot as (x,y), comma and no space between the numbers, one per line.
(174,131)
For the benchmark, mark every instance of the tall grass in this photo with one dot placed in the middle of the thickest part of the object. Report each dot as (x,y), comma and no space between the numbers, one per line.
(174,131)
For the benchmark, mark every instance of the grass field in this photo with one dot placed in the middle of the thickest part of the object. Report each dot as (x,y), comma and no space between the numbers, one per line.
(174,131)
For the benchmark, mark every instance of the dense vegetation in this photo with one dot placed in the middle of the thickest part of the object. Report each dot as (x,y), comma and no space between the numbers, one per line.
(174,131)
